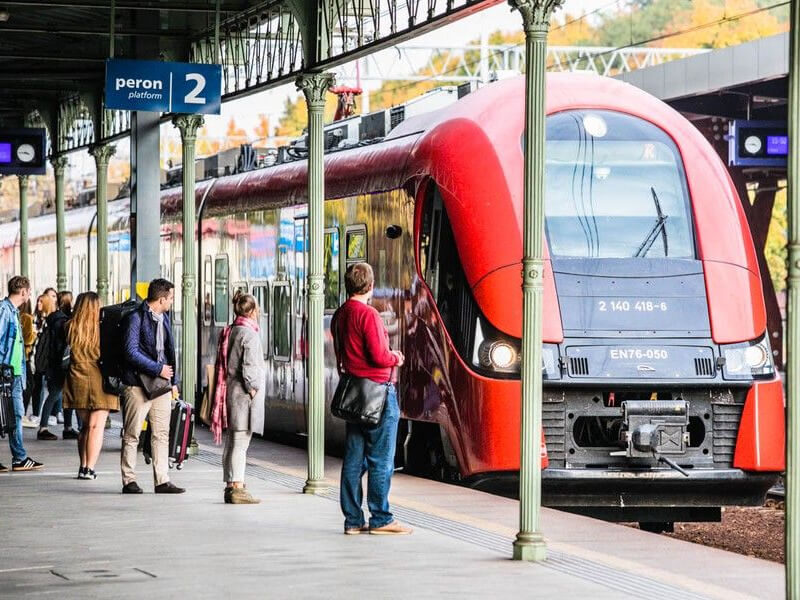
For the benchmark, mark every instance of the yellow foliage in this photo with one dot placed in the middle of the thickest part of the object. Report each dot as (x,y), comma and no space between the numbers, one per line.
(728,32)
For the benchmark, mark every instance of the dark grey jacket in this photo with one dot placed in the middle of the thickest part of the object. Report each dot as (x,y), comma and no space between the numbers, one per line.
(246,372)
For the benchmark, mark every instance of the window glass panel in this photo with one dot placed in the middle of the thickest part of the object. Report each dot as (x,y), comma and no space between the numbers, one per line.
(331,258)
(239,288)
(208,305)
(261,294)
(281,321)
(177,307)
(221,298)
(615,189)
(357,245)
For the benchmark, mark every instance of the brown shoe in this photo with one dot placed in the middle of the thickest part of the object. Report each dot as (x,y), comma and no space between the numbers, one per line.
(393,528)
(356,530)
(242,496)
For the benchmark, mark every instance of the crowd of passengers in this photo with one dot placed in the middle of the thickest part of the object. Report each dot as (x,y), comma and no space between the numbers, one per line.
(53,352)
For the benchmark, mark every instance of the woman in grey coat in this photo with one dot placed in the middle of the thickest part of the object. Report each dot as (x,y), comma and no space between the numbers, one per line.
(242,362)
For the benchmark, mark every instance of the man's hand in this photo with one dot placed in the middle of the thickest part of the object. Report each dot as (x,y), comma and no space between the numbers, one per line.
(167,372)
(175,393)
(400,358)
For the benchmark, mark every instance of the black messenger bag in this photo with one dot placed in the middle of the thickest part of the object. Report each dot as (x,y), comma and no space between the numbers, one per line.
(359,400)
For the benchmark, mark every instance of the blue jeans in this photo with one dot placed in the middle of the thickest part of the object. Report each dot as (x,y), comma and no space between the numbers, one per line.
(18,453)
(53,400)
(370,450)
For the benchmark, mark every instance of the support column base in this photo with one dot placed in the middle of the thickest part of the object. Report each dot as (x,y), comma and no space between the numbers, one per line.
(315,487)
(530,547)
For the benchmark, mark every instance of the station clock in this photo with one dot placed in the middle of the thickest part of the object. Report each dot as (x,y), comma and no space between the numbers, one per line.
(23,152)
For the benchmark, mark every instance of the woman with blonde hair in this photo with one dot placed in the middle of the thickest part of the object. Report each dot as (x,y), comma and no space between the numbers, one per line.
(83,387)
(239,395)
(37,363)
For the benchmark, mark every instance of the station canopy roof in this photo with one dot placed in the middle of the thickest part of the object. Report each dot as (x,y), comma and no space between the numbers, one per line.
(53,52)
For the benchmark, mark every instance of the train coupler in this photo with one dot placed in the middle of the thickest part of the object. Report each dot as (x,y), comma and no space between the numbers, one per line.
(655,428)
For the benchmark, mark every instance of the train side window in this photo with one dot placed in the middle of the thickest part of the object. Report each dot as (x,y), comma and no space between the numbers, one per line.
(356,242)
(281,321)
(429,240)
(261,294)
(221,291)
(208,287)
(331,258)
(177,306)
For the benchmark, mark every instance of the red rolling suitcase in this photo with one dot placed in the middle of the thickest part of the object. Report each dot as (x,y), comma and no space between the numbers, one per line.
(8,420)
(181,429)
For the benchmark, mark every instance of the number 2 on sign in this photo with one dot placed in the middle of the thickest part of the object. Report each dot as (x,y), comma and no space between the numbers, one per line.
(194,97)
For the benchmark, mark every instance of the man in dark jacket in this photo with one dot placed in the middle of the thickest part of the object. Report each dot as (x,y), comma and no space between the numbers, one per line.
(149,349)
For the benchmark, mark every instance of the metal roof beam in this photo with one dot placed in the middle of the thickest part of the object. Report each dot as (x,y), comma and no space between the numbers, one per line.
(121,32)
(147,6)
(53,58)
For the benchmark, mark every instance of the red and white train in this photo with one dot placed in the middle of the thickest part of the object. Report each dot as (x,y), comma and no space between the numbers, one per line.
(661,401)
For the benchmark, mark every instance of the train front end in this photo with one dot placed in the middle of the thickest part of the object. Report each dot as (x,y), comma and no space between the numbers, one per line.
(648,415)
(661,400)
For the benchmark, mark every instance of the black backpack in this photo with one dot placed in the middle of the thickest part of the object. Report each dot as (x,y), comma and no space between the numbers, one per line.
(112,330)
(43,349)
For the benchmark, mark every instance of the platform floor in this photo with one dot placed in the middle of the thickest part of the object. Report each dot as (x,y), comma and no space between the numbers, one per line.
(67,538)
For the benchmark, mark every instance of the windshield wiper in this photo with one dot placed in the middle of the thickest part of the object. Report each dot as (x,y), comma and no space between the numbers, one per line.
(660,225)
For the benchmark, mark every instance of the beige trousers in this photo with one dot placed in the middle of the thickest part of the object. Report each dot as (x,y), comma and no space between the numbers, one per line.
(137,407)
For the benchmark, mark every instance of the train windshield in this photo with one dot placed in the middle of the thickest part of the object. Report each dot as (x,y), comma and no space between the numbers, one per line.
(615,189)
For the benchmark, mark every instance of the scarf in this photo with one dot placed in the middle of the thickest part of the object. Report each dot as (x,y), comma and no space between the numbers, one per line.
(159,320)
(219,412)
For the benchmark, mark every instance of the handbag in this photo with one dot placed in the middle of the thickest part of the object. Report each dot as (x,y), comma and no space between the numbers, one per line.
(154,387)
(357,399)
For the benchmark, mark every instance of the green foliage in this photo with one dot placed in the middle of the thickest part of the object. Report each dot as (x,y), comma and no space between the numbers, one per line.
(639,20)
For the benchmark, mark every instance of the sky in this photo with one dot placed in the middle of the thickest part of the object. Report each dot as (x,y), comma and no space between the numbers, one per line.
(247,110)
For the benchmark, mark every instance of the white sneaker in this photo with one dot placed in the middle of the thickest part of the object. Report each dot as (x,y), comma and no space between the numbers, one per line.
(52,421)
(30,422)
(60,418)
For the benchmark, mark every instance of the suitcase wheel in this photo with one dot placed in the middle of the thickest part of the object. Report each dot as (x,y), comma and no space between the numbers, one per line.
(179,466)
(147,460)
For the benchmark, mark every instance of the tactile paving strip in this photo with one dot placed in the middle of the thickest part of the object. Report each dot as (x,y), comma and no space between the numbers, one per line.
(621,581)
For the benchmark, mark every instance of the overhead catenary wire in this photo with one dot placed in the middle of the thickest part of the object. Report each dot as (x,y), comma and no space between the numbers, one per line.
(632,44)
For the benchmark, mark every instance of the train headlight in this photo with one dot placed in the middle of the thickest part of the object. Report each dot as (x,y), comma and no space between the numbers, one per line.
(748,360)
(502,355)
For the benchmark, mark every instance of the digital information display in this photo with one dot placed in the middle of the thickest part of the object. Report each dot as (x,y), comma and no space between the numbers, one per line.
(23,151)
(778,145)
(758,144)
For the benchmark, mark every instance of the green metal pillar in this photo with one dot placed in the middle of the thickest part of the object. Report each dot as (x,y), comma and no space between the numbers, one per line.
(530,544)
(792,322)
(102,154)
(188,126)
(23,224)
(315,86)
(59,166)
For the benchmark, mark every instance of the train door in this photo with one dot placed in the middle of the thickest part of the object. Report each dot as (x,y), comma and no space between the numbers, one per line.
(301,318)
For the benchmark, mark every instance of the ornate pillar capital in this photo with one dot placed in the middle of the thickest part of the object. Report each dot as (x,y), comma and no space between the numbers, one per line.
(536,13)
(102,153)
(314,86)
(188,126)
(59,163)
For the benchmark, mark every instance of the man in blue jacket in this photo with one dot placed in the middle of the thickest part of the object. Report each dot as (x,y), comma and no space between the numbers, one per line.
(149,349)
(12,352)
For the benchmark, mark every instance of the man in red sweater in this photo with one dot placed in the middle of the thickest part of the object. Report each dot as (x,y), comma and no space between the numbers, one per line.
(363,351)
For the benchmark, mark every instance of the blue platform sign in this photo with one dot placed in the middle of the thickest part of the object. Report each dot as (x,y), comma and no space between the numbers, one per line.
(156,86)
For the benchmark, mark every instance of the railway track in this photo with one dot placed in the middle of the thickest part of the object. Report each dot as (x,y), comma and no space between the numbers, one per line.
(777,492)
